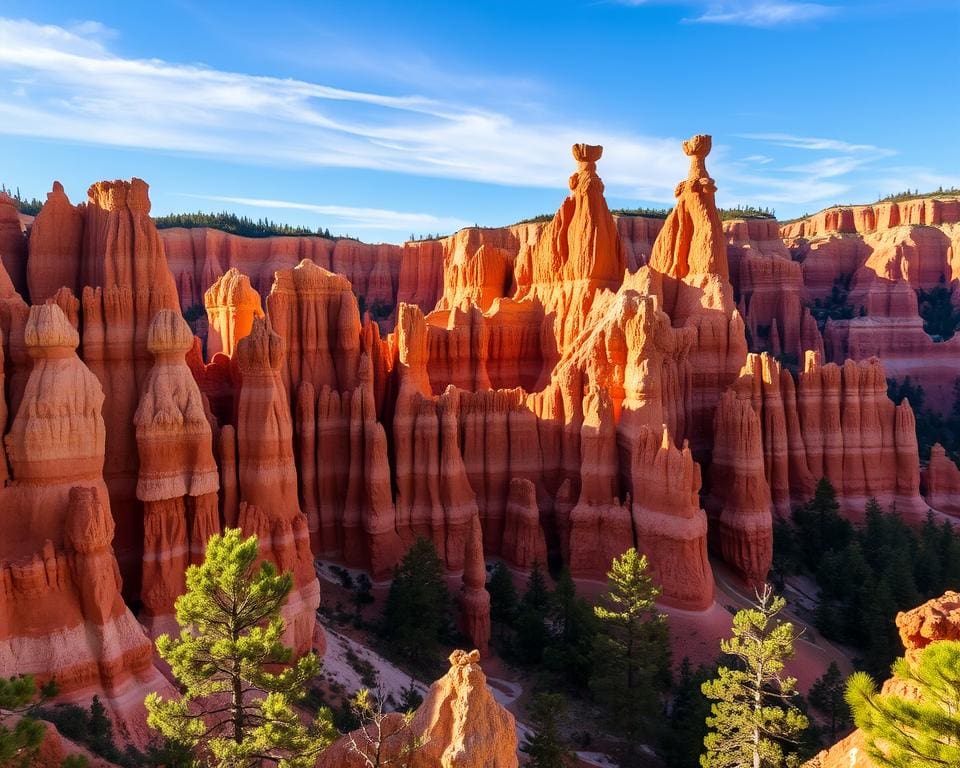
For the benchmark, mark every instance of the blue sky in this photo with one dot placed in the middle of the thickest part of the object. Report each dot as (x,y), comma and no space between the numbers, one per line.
(385,119)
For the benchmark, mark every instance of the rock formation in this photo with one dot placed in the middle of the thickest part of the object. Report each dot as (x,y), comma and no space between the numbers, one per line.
(548,389)
(941,479)
(13,243)
(884,253)
(935,620)
(178,481)
(231,304)
(55,247)
(268,502)
(62,613)
(474,598)
(690,253)
(459,723)
(577,254)
(523,542)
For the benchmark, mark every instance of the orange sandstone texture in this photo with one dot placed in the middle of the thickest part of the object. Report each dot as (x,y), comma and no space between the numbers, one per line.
(459,723)
(231,304)
(935,620)
(62,613)
(884,253)
(178,480)
(268,503)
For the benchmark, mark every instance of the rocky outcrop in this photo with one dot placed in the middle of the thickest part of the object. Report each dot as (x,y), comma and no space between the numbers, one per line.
(459,723)
(56,243)
(744,525)
(934,621)
(269,506)
(524,542)
(884,253)
(474,598)
(690,253)
(941,481)
(315,312)
(13,243)
(178,481)
(834,422)
(62,614)
(576,255)
(231,304)
(670,526)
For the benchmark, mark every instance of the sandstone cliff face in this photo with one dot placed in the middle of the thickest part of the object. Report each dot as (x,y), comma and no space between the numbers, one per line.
(690,253)
(56,242)
(576,255)
(941,480)
(178,480)
(268,502)
(459,722)
(62,614)
(828,421)
(13,243)
(886,252)
(231,304)
(935,620)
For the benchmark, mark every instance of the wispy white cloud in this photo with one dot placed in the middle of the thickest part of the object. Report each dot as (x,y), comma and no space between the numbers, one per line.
(764,14)
(73,87)
(347,217)
(814,143)
(747,13)
(836,167)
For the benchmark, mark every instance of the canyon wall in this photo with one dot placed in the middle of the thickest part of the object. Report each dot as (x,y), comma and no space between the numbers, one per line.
(551,391)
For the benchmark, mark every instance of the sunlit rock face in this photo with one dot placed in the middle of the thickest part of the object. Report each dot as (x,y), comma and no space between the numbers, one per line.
(459,724)
(935,620)
(555,391)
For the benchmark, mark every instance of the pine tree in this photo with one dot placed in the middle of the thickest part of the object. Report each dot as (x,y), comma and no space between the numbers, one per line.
(573,624)
(233,712)
(503,597)
(19,745)
(919,733)
(688,714)
(754,713)
(821,528)
(531,635)
(545,747)
(827,695)
(631,650)
(417,611)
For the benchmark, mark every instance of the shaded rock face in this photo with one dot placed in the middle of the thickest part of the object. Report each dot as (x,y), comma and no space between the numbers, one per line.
(459,723)
(935,620)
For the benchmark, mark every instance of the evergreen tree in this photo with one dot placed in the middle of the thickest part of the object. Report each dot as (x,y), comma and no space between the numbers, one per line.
(754,712)
(820,526)
(417,612)
(919,733)
(827,695)
(100,732)
(545,747)
(233,712)
(531,635)
(19,744)
(572,630)
(689,710)
(503,597)
(631,650)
